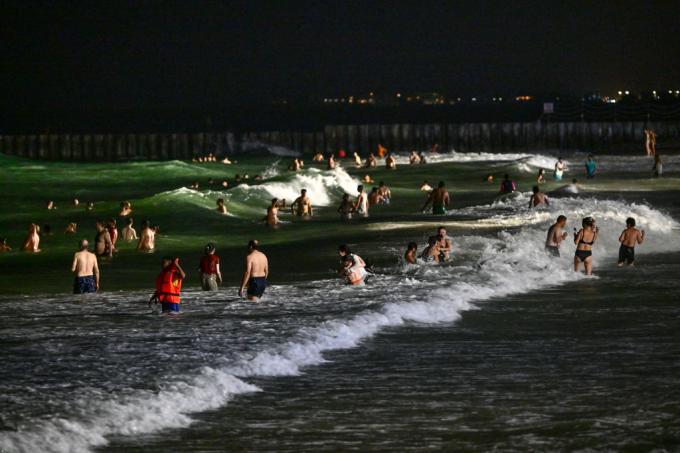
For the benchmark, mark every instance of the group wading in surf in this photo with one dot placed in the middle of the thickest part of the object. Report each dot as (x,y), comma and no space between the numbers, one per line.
(353,269)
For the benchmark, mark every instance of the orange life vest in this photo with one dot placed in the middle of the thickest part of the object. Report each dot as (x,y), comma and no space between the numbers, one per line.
(169,285)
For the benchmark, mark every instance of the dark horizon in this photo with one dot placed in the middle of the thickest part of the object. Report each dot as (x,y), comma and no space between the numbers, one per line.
(208,56)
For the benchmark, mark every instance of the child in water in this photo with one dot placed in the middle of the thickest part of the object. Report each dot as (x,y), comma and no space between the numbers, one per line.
(410,255)
(630,237)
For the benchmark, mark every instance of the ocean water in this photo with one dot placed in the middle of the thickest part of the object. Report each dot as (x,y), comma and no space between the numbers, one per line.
(502,348)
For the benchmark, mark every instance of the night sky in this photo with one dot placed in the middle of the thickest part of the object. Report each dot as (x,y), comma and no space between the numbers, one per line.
(191,54)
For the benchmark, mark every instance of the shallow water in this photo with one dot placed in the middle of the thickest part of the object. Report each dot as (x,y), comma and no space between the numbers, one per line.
(501,348)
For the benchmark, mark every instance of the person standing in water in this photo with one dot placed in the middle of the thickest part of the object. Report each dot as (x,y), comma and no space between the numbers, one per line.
(128,232)
(346,207)
(538,198)
(302,206)
(147,238)
(384,192)
(390,162)
(540,179)
(584,240)
(113,233)
(103,247)
(411,253)
(374,197)
(169,285)
(361,203)
(444,244)
(221,208)
(272,218)
(591,167)
(629,238)
(255,273)
(86,269)
(211,277)
(555,236)
(507,185)
(431,252)
(559,169)
(657,169)
(32,242)
(439,198)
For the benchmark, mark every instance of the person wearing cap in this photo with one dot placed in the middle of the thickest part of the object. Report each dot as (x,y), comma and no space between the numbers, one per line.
(211,277)
(255,273)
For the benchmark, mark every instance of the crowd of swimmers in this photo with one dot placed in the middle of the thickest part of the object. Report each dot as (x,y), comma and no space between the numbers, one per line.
(352,267)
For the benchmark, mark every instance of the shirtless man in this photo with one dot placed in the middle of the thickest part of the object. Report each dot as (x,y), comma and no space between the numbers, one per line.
(384,192)
(318,157)
(255,273)
(413,158)
(555,236)
(346,207)
(102,242)
(32,242)
(628,239)
(86,269)
(128,232)
(147,238)
(361,203)
(273,214)
(439,198)
(426,187)
(538,198)
(302,206)
(444,244)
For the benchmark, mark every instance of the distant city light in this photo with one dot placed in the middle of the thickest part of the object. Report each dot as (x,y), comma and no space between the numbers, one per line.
(398,95)
(474,99)
(627,92)
(620,93)
(523,98)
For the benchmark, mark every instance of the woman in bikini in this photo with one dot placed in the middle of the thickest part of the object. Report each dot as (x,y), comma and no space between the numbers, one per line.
(584,240)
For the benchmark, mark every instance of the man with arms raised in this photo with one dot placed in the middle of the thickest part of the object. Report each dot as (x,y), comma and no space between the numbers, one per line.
(86,269)
(255,274)
(439,198)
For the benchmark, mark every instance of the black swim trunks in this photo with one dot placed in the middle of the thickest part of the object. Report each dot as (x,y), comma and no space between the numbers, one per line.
(626,254)
(256,286)
(583,254)
(82,285)
(552,250)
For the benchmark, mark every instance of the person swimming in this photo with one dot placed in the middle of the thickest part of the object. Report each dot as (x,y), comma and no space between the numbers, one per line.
(426,187)
(71,228)
(629,238)
(413,158)
(371,161)
(411,253)
(272,217)
(125,209)
(584,240)
(390,162)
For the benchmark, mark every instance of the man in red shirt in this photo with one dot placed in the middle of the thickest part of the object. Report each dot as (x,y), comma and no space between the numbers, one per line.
(211,277)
